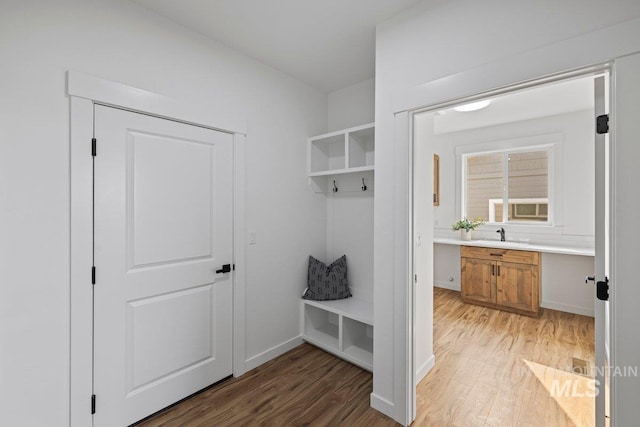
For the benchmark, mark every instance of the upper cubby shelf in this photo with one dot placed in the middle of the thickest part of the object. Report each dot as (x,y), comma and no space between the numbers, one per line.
(345,151)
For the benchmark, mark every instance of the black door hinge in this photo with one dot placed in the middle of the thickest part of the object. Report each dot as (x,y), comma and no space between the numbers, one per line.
(93,275)
(602,124)
(602,290)
(94,147)
(93,404)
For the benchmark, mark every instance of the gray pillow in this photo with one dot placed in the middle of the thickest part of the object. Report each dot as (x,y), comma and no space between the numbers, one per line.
(327,282)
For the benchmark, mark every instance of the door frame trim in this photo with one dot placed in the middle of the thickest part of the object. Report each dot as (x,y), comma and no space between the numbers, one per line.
(407,119)
(84,91)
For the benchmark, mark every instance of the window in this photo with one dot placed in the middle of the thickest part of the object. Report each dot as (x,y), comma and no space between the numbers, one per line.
(509,186)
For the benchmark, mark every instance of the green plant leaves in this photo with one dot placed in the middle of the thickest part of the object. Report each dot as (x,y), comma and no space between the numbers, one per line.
(466,224)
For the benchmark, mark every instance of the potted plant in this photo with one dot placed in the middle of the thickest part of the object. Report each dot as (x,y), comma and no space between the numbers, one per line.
(466,226)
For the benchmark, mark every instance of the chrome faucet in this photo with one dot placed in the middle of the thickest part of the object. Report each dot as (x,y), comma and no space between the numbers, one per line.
(501,231)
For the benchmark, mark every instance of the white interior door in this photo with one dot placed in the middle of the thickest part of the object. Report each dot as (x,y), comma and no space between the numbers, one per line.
(601,268)
(163,226)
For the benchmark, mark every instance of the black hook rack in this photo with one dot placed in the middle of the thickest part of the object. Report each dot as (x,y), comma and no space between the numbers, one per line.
(335,189)
(364,186)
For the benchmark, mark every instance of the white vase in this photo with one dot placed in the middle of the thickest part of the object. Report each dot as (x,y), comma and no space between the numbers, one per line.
(465,235)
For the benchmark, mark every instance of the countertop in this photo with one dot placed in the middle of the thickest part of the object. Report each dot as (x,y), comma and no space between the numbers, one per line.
(522,246)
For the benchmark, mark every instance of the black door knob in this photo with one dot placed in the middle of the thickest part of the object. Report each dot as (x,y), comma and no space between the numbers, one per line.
(225,269)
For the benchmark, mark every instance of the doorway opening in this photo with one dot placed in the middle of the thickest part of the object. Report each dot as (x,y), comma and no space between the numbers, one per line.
(510,323)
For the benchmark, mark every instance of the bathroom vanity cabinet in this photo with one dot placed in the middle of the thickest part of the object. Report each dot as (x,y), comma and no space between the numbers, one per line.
(505,279)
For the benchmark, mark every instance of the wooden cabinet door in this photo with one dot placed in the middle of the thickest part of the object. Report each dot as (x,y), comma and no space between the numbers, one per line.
(478,280)
(517,286)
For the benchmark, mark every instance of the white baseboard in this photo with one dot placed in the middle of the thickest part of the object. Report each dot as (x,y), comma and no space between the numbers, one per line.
(272,353)
(567,308)
(425,368)
(447,285)
(381,404)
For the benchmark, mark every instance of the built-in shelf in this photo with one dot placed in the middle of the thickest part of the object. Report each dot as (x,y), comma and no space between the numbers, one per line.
(346,151)
(342,171)
(322,327)
(341,327)
(359,356)
(360,146)
(357,340)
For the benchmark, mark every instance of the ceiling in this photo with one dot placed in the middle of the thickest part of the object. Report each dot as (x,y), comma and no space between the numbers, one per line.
(329,44)
(539,101)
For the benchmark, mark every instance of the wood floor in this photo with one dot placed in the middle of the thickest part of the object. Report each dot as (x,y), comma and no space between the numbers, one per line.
(493,368)
(304,387)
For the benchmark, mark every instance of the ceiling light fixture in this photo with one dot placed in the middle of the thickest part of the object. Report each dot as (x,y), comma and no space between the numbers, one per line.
(474,106)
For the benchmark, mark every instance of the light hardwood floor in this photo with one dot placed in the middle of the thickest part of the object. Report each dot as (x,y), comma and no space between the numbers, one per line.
(493,368)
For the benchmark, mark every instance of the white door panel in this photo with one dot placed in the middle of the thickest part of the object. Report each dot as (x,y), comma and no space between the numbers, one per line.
(170,211)
(163,224)
(154,322)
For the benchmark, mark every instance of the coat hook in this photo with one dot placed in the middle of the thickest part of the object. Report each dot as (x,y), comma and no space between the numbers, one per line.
(364,186)
(335,189)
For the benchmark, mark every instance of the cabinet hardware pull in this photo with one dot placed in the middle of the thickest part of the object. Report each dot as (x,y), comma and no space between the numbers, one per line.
(493,271)
(492,254)
(498,270)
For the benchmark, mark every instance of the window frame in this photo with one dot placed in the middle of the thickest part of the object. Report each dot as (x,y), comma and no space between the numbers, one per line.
(552,143)
(516,202)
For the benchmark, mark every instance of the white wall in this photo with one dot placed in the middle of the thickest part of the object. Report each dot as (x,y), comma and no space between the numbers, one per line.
(625,292)
(446,266)
(562,279)
(423,258)
(352,106)
(350,210)
(350,230)
(426,45)
(563,283)
(116,40)
(572,168)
